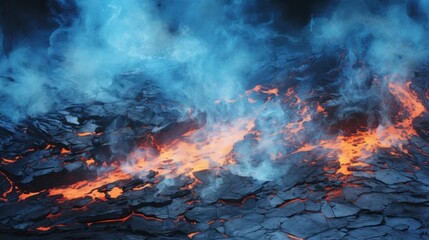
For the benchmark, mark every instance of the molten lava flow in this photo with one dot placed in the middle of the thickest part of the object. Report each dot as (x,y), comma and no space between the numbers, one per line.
(362,145)
(197,150)
(24,196)
(43,229)
(202,149)
(90,188)
(121,220)
(115,192)
(9,190)
(65,151)
(7,161)
(352,149)
(261,89)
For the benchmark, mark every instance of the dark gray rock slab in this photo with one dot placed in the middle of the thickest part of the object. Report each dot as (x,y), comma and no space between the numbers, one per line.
(305,225)
(366,220)
(373,201)
(404,223)
(388,176)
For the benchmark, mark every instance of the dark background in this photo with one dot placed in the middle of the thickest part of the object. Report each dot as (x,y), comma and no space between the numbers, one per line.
(32,21)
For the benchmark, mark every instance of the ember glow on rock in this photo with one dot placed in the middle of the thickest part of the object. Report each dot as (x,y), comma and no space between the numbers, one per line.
(214,119)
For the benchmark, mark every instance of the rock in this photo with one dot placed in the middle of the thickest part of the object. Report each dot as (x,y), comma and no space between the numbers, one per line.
(243,226)
(369,232)
(159,212)
(287,210)
(273,223)
(72,119)
(343,210)
(227,186)
(309,225)
(373,201)
(99,211)
(352,193)
(330,234)
(312,206)
(388,176)
(78,203)
(417,211)
(202,214)
(403,223)
(70,167)
(366,220)
(327,210)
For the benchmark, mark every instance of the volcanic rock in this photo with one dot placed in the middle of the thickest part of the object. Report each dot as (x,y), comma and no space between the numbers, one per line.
(310,224)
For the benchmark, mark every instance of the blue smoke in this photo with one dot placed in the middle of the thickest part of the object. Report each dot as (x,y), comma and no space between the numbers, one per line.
(200,51)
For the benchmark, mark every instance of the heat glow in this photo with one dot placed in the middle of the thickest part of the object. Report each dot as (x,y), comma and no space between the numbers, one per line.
(210,147)
(197,150)
(352,149)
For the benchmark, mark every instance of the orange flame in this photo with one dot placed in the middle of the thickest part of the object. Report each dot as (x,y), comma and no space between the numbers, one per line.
(362,145)
(199,150)
(202,149)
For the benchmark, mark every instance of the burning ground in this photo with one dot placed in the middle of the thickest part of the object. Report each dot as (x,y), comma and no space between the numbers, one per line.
(332,144)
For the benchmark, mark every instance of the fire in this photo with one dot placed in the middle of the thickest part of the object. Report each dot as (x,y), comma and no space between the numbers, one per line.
(90,188)
(352,150)
(24,196)
(43,229)
(203,149)
(197,150)
(362,145)
(115,192)
(261,89)
(7,161)
(83,134)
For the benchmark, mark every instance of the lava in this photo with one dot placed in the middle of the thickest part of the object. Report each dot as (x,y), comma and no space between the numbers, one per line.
(194,151)
(354,148)
(9,190)
(126,218)
(89,188)
(205,148)
(24,196)
(115,192)
(65,151)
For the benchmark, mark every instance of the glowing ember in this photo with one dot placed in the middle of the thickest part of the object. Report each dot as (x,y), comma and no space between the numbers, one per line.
(9,190)
(115,192)
(83,134)
(261,89)
(65,151)
(7,161)
(90,162)
(191,235)
(90,188)
(27,195)
(44,229)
